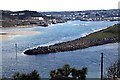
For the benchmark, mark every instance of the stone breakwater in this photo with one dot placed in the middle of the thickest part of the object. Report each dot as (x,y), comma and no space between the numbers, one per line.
(105,36)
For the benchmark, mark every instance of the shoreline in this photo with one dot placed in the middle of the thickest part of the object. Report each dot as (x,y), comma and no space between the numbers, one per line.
(10,35)
(26,26)
(22,26)
(104,36)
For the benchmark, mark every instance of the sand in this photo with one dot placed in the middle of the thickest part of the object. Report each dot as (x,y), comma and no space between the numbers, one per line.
(10,35)
(26,26)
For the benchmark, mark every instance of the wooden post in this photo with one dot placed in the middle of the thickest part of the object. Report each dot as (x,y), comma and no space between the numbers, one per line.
(101,66)
(16,50)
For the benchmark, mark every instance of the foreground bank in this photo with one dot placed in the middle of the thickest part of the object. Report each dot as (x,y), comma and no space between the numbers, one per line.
(109,35)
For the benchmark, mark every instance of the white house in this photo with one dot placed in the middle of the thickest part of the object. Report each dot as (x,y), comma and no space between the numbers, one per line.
(38,18)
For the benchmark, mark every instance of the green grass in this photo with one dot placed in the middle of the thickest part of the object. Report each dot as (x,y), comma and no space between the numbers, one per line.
(105,33)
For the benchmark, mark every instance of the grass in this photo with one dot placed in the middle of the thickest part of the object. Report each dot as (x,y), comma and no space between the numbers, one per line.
(105,33)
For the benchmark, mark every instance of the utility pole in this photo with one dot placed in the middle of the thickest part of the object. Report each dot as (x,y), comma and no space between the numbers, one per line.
(101,66)
(16,57)
(16,50)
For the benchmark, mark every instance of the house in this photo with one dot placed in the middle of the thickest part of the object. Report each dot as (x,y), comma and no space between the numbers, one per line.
(38,18)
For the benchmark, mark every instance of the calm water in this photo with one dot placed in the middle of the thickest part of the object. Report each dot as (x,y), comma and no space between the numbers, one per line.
(89,57)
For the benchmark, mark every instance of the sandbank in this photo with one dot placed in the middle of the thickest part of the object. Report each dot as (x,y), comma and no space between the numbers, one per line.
(10,35)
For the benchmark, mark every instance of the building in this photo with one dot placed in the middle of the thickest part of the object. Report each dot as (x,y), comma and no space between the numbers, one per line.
(38,18)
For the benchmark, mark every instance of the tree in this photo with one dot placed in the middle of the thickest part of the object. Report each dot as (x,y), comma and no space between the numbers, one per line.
(114,70)
(74,73)
(82,73)
(60,71)
(52,73)
(34,75)
(66,71)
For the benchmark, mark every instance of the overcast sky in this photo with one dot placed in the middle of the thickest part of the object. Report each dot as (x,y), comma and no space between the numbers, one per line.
(58,5)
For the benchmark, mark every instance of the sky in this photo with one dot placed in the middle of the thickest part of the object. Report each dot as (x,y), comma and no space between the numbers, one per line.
(58,5)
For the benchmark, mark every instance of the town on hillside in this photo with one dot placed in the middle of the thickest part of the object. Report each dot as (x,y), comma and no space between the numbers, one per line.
(33,18)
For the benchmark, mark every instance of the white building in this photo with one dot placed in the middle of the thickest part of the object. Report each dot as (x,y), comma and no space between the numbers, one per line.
(38,18)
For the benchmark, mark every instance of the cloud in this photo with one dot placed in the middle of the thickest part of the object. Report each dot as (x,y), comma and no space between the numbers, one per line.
(58,5)
(119,5)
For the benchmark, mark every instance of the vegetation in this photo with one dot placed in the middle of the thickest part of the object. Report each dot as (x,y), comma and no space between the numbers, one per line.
(29,76)
(6,15)
(26,17)
(66,71)
(114,70)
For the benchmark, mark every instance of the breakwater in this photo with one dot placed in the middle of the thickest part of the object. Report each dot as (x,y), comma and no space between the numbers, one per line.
(108,35)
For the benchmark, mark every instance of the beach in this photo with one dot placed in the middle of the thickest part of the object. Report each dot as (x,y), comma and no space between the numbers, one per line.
(10,35)
(26,26)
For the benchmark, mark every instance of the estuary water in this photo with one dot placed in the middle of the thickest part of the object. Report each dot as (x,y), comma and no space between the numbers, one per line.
(55,33)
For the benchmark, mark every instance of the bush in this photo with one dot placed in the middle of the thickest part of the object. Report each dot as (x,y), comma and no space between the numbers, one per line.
(29,76)
(114,70)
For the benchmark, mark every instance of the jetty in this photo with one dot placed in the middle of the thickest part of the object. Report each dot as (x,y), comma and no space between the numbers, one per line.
(105,36)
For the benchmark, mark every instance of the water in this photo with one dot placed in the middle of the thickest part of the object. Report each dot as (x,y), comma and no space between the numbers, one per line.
(89,57)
